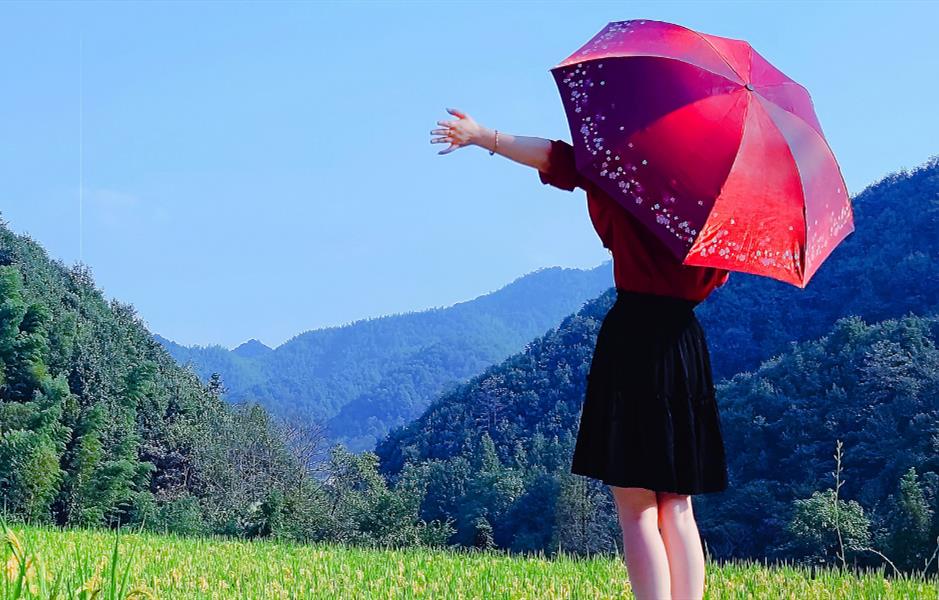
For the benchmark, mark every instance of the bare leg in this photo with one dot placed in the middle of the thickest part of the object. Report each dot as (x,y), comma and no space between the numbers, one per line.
(646,560)
(683,545)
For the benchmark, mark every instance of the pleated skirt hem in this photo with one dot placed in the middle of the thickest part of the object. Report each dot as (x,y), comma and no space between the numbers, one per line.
(650,417)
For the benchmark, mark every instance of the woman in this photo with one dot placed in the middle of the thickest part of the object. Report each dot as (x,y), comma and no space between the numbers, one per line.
(649,427)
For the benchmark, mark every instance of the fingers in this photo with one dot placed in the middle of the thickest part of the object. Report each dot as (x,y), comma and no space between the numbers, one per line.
(448,131)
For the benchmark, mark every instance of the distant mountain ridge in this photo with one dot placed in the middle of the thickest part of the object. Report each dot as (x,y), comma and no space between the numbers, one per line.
(369,375)
(252,349)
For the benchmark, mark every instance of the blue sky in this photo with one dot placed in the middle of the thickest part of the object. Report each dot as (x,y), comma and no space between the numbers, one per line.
(257,170)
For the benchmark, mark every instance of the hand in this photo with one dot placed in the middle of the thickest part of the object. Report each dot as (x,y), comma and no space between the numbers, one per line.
(462,132)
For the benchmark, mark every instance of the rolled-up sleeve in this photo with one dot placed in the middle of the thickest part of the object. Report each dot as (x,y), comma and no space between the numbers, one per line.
(562,169)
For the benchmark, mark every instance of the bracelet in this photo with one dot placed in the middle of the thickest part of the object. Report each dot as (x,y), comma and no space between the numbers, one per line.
(496,146)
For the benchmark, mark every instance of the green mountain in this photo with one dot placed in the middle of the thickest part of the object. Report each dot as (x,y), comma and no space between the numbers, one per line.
(875,387)
(496,451)
(98,423)
(237,370)
(370,375)
(99,426)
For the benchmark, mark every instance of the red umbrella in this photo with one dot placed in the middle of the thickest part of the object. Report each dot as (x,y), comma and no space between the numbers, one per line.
(708,145)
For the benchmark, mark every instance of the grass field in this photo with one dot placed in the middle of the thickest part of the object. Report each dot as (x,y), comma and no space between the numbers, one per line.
(77,563)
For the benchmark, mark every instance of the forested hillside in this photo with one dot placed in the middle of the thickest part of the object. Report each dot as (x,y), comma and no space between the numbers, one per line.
(370,375)
(100,426)
(497,450)
(874,387)
(97,423)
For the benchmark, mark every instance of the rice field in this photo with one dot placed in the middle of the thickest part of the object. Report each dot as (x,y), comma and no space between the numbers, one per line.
(81,564)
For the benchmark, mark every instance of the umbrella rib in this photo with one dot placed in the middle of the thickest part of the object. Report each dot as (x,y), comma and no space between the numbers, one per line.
(749,63)
(817,132)
(743,135)
(789,82)
(784,109)
(824,141)
(799,85)
(803,259)
(717,52)
(720,192)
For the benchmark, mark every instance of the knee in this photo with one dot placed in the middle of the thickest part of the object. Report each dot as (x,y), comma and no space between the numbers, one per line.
(632,521)
(635,507)
(675,511)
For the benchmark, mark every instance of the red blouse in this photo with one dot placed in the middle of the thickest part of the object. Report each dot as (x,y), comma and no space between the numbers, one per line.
(641,262)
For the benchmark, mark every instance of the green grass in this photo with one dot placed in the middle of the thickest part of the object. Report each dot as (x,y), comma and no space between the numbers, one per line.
(175,567)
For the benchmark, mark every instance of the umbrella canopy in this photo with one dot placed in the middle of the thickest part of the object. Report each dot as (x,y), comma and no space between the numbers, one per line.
(708,145)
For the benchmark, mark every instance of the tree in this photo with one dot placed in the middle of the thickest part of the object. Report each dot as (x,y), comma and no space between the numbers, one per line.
(910,518)
(824,525)
(585,520)
(482,534)
(362,509)
(813,526)
(490,492)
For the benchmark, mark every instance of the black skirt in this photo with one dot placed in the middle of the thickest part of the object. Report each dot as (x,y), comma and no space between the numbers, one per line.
(650,416)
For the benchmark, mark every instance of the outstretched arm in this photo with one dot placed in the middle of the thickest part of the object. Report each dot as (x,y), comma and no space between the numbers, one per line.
(465,131)
(554,159)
